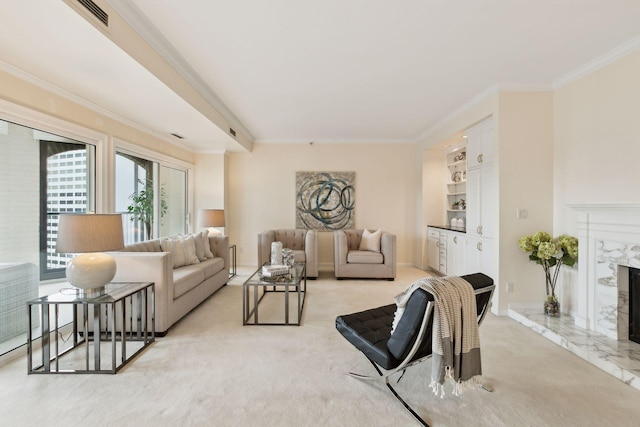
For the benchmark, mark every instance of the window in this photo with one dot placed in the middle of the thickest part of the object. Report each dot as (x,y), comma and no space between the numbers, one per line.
(53,202)
(146,216)
(32,195)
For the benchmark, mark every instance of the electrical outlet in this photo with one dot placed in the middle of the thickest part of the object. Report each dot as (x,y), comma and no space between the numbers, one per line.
(509,287)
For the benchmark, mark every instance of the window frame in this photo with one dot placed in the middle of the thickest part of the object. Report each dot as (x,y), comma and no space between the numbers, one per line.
(124,147)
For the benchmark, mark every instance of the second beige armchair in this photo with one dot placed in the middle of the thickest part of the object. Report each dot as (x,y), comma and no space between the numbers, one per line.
(355,261)
(304,244)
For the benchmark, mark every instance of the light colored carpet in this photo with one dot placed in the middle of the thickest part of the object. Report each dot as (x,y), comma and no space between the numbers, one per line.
(211,371)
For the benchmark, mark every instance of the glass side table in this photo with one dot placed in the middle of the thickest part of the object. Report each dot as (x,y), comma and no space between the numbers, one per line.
(105,333)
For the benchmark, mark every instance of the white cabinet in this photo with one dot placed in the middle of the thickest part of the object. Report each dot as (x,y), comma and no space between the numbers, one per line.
(456,253)
(447,251)
(480,256)
(433,248)
(482,201)
(480,144)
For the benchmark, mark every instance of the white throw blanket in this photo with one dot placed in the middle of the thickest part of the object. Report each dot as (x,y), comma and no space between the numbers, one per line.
(456,342)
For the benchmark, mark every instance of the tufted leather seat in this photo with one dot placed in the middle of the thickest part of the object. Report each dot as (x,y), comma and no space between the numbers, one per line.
(370,330)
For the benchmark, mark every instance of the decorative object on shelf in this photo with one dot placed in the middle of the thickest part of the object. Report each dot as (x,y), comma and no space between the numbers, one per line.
(456,176)
(89,235)
(551,254)
(460,157)
(462,204)
(276,253)
(325,200)
(287,257)
(209,218)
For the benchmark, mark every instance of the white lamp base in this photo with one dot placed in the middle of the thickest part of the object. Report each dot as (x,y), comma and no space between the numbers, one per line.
(91,272)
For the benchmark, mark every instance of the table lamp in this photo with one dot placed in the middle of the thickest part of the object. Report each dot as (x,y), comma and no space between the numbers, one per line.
(211,218)
(88,235)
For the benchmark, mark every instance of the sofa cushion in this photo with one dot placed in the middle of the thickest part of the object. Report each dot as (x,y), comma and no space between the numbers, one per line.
(364,257)
(211,266)
(370,241)
(186,278)
(183,250)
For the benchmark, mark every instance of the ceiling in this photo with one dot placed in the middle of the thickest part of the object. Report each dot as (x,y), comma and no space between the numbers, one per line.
(301,71)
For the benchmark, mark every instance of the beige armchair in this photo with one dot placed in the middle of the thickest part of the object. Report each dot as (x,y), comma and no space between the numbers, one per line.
(304,244)
(350,261)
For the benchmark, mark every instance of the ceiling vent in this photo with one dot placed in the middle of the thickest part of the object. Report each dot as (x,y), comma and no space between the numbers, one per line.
(177,136)
(96,11)
(232,132)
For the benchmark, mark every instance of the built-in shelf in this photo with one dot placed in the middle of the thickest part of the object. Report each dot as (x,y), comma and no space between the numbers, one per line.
(456,161)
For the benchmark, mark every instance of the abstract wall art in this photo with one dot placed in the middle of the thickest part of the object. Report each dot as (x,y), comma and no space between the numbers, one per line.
(325,200)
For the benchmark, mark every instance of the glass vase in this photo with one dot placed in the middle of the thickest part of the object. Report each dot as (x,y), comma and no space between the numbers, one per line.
(552,308)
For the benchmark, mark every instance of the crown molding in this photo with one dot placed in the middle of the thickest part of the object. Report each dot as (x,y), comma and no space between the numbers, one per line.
(597,63)
(312,141)
(488,92)
(56,90)
(140,24)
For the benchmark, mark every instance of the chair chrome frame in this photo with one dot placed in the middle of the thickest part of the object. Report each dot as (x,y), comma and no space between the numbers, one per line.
(408,362)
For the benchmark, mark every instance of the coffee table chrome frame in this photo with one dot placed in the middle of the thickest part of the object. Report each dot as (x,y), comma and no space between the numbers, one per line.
(299,285)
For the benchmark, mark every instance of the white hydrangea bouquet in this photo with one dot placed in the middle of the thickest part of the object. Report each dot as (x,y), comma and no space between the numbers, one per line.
(551,254)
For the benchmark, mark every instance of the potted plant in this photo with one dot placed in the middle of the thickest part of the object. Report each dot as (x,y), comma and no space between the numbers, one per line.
(142,206)
(551,254)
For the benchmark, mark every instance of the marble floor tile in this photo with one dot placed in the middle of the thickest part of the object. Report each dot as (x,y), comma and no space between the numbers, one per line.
(618,358)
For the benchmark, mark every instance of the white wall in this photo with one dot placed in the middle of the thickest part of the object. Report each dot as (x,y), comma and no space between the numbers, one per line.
(209,176)
(261,192)
(525,138)
(597,144)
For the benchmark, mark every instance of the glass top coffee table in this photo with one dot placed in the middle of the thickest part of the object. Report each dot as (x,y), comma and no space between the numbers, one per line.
(257,288)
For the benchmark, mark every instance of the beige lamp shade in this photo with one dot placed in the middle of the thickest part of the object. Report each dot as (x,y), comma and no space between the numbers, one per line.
(79,233)
(211,218)
(89,235)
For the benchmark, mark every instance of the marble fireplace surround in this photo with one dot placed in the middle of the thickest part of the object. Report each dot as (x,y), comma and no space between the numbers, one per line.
(597,328)
(609,243)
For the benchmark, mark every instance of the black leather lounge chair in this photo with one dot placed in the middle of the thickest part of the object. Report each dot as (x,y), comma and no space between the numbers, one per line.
(370,332)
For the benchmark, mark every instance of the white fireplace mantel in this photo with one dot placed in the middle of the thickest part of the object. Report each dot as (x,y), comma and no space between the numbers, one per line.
(609,239)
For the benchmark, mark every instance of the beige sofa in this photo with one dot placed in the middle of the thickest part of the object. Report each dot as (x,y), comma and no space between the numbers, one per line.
(351,262)
(304,244)
(177,290)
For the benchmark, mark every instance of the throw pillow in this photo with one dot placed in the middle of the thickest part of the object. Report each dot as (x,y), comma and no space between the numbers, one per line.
(183,250)
(370,240)
(202,240)
(207,246)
